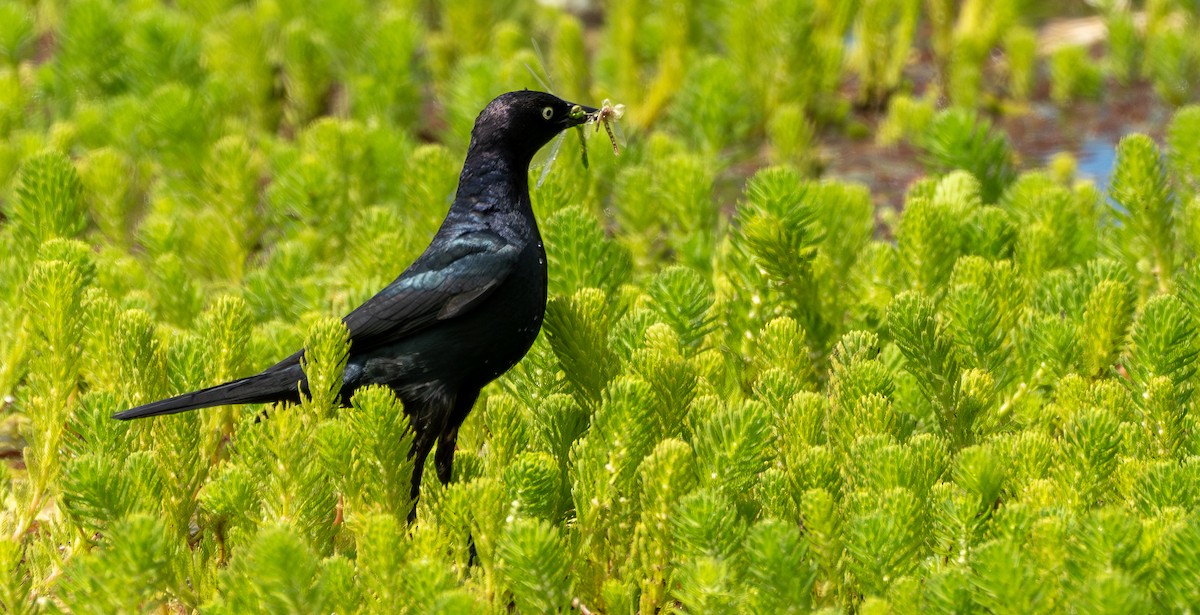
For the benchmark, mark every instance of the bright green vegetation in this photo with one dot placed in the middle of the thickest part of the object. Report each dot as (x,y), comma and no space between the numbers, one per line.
(747,398)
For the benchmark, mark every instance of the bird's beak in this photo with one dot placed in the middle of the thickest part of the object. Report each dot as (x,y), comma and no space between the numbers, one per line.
(579,115)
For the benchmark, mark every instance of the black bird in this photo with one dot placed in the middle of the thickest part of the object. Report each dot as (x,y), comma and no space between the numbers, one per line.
(463,313)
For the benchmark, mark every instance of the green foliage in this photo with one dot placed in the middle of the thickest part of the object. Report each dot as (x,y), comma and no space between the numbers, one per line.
(16,33)
(683,300)
(1173,64)
(1073,75)
(884,32)
(384,82)
(791,135)
(1050,221)
(931,238)
(380,466)
(793,239)
(1140,186)
(49,201)
(666,207)
(906,119)
(1124,44)
(90,61)
(1164,343)
(882,538)
(754,392)
(15,596)
(324,360)
(577,328)
(965,35)
(1091,442)
(580,253)
(535,566)
(1106,317)
(280,573)
(712,115)
(129,574)
(779,572)
(733,447)
(1020,48)
(958,397)
(785,51)
(1183,150)
(959,139)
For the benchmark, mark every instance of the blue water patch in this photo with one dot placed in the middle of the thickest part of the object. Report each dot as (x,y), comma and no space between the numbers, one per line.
(1096,160)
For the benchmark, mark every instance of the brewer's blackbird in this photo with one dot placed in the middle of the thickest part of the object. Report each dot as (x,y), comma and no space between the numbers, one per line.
(463,313)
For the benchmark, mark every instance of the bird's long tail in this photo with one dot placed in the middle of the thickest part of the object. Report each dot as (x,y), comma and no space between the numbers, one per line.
(269,386)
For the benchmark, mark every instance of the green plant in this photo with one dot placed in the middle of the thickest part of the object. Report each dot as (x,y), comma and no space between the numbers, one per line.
(17,33)
(1073,75)
(884,32)
(1124,45)
(791,136)
(1020,48)
(1140,186)
(964,41)
(906,119)
(754,391)
(960,139)
(1183,150)
(1173,64)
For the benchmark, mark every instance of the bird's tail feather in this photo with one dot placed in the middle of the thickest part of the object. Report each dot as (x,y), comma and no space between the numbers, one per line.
(266,387)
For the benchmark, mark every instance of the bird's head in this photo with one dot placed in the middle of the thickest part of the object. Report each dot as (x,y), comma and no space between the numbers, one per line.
(524,121)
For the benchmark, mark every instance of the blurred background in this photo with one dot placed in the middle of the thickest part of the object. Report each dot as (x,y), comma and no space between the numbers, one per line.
(834,87)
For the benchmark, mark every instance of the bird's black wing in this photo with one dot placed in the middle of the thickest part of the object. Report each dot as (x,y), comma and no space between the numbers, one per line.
(451,278)
(448,280)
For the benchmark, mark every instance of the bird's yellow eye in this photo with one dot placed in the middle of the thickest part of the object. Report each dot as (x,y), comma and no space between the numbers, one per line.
(548,112)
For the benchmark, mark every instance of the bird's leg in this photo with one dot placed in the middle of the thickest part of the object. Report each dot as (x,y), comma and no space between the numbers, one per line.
(422,444)
(444,461)
(444,458)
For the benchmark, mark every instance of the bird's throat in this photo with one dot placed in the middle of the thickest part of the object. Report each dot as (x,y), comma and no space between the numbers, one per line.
(493,182)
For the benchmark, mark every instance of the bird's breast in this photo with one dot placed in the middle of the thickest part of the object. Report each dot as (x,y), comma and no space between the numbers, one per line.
(493,336)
